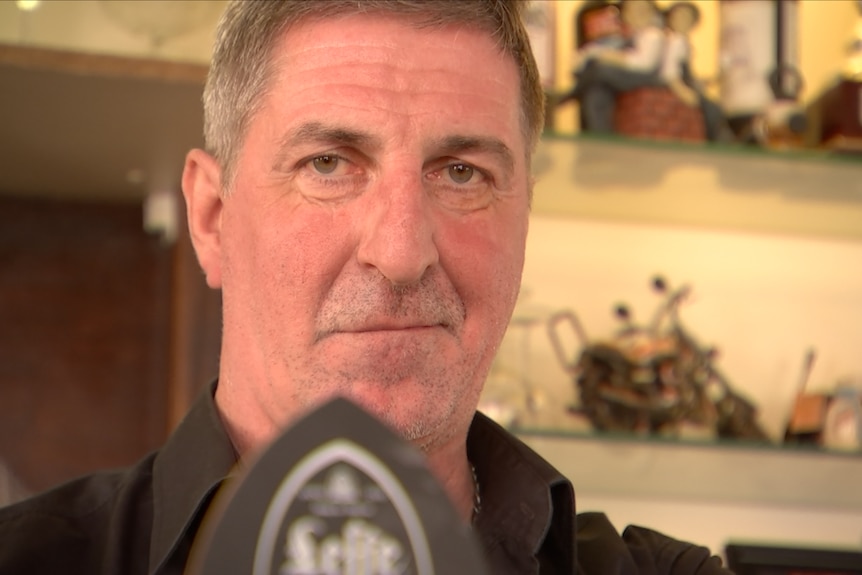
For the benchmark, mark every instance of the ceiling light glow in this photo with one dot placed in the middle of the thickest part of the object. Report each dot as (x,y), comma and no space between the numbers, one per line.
(28,5)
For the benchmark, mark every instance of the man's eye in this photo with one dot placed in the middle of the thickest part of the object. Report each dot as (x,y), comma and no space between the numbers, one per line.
(460,173)
(325,164)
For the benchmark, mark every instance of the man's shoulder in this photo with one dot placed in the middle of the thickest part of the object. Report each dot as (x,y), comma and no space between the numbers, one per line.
(67,528)
(603,551)
(75,499)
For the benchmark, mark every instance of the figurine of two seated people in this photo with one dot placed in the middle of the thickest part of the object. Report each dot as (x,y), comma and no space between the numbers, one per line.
(649,48)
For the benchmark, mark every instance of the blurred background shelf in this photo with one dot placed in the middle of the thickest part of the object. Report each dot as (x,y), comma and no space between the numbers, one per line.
(804,193)
(717,472)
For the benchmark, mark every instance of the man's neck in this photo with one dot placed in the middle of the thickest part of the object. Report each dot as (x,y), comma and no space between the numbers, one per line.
(452,469)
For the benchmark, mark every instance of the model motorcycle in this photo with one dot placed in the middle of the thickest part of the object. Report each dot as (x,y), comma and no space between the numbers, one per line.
(652,379)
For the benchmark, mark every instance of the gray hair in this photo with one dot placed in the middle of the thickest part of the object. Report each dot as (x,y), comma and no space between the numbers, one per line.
(241,63)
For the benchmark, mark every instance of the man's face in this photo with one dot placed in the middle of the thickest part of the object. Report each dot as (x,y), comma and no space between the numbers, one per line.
(373,242)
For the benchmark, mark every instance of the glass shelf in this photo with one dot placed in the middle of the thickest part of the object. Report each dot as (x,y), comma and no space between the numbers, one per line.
(712,471)
(806,193)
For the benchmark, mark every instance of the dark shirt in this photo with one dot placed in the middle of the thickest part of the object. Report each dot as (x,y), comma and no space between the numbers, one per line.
(143,520)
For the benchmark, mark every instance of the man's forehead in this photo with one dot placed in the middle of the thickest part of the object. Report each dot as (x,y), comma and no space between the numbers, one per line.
(379,28)
(356,37)
(396,40)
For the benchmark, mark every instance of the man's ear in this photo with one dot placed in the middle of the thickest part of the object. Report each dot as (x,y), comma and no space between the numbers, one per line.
(202,191)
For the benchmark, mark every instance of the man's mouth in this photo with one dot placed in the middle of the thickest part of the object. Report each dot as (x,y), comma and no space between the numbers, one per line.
(392,326)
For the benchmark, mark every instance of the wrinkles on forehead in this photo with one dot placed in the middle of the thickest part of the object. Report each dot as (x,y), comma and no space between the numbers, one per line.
(374,49)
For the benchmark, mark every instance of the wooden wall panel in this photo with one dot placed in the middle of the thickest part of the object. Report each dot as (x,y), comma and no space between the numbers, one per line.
(85,328)
(196,334)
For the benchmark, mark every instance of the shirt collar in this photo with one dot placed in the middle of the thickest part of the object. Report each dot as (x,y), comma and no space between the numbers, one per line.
(187,470)
(525,500)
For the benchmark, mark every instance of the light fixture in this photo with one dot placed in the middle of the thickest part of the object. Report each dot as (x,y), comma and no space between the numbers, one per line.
(27,5)
(160,20)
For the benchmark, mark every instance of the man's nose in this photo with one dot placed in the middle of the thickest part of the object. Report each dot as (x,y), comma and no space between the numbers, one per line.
(397,231)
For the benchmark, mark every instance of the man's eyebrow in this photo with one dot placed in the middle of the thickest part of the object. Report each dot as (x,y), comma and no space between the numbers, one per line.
(320,133)
(459,144)
(337,136)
